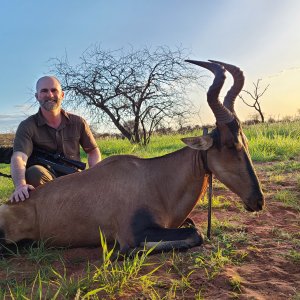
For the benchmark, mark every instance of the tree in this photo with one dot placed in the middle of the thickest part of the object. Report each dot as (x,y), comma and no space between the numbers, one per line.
(256,96)
(137,91)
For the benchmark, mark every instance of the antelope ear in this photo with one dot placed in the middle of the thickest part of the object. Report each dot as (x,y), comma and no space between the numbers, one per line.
(203,142)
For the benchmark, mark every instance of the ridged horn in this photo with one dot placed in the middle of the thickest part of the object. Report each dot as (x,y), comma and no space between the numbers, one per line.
(222,114)
(237,86)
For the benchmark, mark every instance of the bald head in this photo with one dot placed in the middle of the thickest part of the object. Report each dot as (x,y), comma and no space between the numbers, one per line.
(47,79)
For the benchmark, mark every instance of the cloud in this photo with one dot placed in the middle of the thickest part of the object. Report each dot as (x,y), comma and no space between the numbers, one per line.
(10,122)
(282,72)
(10,117)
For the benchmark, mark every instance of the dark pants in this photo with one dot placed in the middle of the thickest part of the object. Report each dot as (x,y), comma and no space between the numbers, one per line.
(37,175)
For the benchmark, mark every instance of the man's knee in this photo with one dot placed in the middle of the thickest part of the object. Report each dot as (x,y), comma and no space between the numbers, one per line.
(37,175)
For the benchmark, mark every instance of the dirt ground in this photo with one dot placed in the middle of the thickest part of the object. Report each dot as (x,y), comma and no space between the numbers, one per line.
(267,272)
(268,269)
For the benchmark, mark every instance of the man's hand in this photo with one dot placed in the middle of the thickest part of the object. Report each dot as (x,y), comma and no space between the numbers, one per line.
(18,168)
(21,193)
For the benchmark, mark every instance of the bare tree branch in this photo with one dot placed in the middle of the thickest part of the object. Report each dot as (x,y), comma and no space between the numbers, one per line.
(256,96)
(137,91)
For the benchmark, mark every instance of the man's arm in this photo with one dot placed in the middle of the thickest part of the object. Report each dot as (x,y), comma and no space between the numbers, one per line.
(94,157)
(18,169)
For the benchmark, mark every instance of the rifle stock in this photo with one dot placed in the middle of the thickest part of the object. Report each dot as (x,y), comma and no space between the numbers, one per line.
(5,154)
(55,162)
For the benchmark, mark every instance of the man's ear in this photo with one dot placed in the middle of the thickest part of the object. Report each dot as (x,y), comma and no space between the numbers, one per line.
(203,142)
(36,96)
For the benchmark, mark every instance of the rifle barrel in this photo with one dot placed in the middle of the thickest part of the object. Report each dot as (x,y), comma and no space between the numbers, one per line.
(60,157)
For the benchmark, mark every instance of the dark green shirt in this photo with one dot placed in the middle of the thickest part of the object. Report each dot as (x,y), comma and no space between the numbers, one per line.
(67,138)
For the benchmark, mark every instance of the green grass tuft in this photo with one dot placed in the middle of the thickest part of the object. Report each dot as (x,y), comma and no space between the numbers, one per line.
(217,202)
(294,256)
(288,198)
(276,141)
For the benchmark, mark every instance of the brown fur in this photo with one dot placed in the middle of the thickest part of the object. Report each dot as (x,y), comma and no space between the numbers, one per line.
(71,209)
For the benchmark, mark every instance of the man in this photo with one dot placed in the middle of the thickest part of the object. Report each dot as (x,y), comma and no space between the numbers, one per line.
(52,129)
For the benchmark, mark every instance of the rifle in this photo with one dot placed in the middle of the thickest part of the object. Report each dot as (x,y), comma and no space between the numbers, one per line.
(56,163)
(5,156)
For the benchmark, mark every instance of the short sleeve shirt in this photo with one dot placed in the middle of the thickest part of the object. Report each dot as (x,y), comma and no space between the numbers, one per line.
(67,138)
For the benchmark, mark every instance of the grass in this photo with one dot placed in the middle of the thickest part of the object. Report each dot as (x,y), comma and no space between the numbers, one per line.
(267,142)
(6,184)
(38,252)
(275,141)
(212,262)
(217,202)
(236,283)
(223,249)
(296,296)
(294,256)
(280,234)
(160,145)
(71,286)
(109,279)
(278,179)
(141,275)
(284,167)
(288,198)
(113,277)
(298,180)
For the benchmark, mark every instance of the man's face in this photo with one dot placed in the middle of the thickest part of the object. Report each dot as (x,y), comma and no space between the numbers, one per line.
(49,93)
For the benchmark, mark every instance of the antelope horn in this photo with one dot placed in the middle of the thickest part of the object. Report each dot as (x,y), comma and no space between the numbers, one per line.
(222,114)
(237,86)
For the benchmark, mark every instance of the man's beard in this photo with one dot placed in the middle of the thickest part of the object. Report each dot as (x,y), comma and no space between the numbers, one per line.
(50,104)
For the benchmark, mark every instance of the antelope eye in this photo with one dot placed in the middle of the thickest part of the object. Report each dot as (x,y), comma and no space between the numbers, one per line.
(231,147)
(235,147)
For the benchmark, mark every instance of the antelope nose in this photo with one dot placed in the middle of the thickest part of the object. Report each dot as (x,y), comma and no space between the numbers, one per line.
(260,202)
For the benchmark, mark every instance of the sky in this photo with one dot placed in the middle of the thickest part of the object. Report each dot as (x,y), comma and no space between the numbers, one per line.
(262,37)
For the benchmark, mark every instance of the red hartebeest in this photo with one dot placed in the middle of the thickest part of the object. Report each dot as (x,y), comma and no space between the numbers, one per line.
(133,200)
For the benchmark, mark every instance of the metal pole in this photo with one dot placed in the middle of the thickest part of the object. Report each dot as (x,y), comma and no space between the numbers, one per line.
(210,192)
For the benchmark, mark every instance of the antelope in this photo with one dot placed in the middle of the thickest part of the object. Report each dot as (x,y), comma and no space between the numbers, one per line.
(138,201)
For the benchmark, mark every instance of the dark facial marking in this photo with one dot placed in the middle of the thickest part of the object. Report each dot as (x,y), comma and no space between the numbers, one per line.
(2,241)
(250,170)
(2,235)
(234,127)
(216,136)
